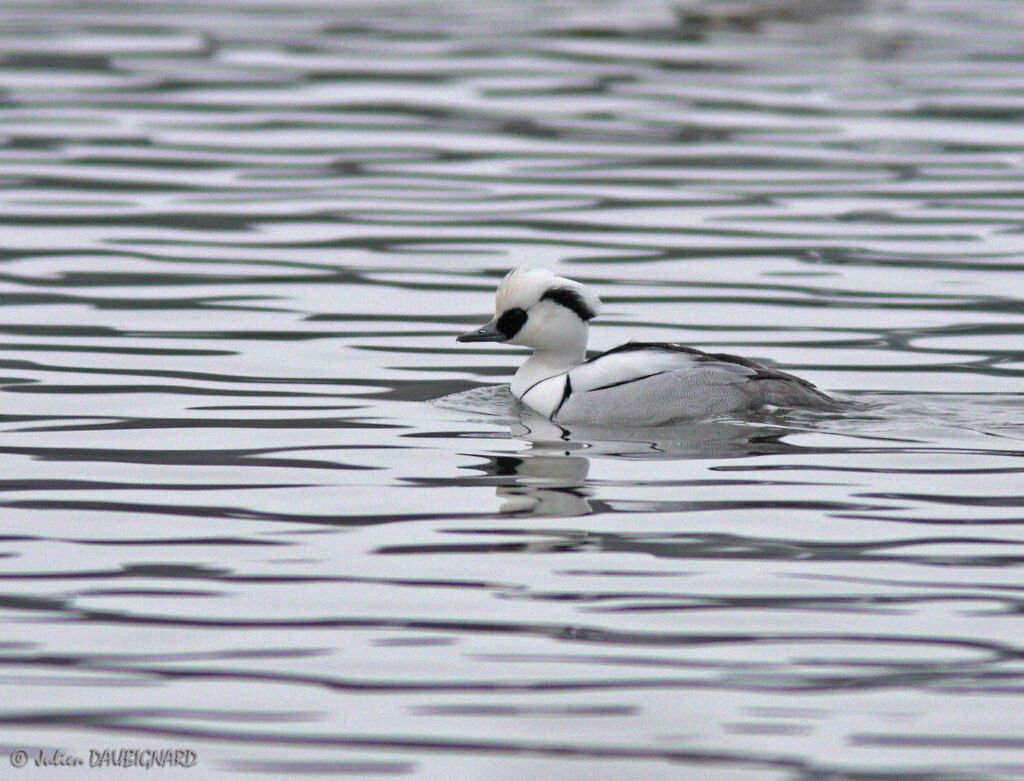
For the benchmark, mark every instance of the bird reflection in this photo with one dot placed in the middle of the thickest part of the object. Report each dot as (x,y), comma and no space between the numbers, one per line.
(549,475)
(548,479)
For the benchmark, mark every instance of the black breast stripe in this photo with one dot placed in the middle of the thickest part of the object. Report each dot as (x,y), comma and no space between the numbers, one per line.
(625,382)
(565,394)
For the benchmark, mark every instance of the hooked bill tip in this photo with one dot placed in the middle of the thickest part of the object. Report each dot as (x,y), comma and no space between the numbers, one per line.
(487,333)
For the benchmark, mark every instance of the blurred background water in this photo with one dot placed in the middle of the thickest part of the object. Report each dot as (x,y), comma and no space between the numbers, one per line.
(238,239)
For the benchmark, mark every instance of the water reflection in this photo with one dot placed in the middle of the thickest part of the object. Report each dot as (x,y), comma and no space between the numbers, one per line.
(552,474)
(719,438)
(546,480)
(549,475)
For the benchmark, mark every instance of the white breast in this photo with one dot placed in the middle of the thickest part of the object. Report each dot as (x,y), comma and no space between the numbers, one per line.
(546,396)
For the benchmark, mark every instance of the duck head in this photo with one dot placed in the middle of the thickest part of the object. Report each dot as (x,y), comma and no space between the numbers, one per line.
(538,309)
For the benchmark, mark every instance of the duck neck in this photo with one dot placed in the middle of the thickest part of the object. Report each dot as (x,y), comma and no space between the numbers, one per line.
(544,364)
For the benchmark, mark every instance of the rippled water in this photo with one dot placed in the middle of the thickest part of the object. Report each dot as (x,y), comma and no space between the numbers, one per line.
(238,240)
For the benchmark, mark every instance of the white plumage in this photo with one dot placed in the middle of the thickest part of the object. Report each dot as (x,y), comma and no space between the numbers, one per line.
(638,383)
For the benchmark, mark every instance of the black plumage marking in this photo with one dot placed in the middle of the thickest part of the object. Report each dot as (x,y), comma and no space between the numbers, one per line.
(626,382)
(760,372)
(570,299)
(566,392)
(510,322)
(666,346)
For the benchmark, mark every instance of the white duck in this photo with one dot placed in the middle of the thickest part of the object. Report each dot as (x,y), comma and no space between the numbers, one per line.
(637,383)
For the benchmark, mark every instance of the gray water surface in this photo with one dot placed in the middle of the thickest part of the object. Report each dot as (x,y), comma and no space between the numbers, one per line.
(237,240)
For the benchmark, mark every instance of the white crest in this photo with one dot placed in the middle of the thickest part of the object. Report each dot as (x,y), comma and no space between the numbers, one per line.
(525,286)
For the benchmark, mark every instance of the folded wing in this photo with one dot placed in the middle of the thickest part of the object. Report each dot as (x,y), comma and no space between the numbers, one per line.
(654,383)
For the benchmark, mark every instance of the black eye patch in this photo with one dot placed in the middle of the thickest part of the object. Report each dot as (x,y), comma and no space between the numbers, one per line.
(570,299)
(510,322)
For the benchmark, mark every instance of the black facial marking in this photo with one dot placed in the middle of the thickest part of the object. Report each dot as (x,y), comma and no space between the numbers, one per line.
(510,322)
(570,299)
